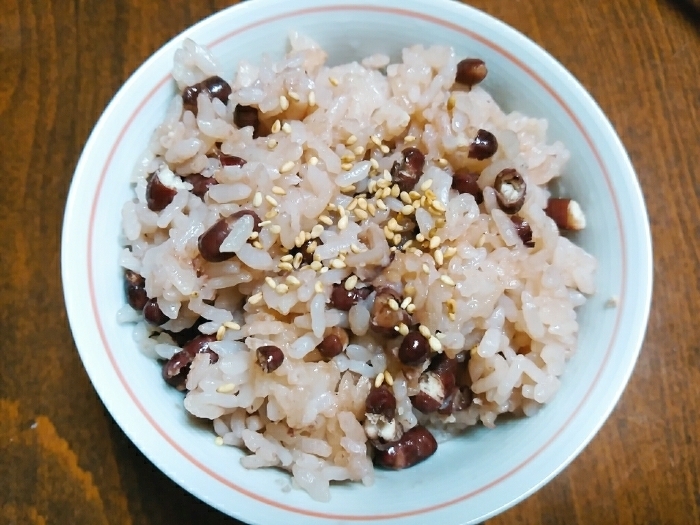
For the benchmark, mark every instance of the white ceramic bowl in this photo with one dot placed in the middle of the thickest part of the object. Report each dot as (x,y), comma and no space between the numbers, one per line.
(470,478)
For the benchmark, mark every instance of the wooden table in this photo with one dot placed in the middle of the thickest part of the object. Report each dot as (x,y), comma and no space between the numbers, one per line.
(63,460)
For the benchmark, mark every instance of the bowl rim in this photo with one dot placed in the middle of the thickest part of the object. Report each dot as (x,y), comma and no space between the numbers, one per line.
(390,7)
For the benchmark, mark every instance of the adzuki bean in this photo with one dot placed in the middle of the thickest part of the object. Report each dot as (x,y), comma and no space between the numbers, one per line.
(135,289)
(510,190)
(270,358)
(153,314)
(343,299)
(383,318)
(407,172)
(484,146)
(334,343)
(211,240)
(522,227)
(414,446)
(465,181)
(213,87)
(471,71)
(158,195)
(414,349)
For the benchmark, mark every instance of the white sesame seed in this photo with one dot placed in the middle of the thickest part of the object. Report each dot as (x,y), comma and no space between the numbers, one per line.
(420,237)
(347,166)
(403,329)
(411,308)
(293,95)
(435,344)
(325,219)
(276,127)
(387,175)
(406,302)
(293,281)
(226,388)
(408,209)
(388,378)
(276,229)
(307,236)
(316,231)
(426,185)
(351,140)
(416,252)
(437,205)
(447,280)
(435,242)
(286,258)
(343,222)
(371,208)
(350,282)
(284,103)
(324,269)
(384,149)
(297,260)
(257,245)
(451,102)
(407,244)
(313,161)
(348,157)
(318,287)
(256,298)
(359,150)
(451,316)
(388,233)
(442,162)
(312,98)
(376,140)
(270,282)
(352,205)
(439,258)
(396,239)
(219,441)
(285,266)
(354,248)
(338,264)
(271,214)
(449,252)
(348,189)
(361,214)
(405,198)
(287,128)
(362,203)
(426,268)
(257,199)
(424,331)
(374,163)
(271,144)
(281,288)
(220,333)
(254,235)
(395,191)
(287,167)
(334,81)
(316,265)
(232,325)
(393,304)
(380,204)
(278,190)
(393,225)
(409,138)
(379,380)
(271,200)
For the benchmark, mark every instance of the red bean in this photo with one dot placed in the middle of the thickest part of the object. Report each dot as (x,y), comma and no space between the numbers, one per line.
(244,116)
(201,184)
(383,318)
(135,289)
(211,240)
(407,172)
(213,87)
(522,227)
(381,400)
(270,358)
(484,146)
(471,71)
(510,190)
(334,343)
(158,195)
(414,349)
(465,181)
(414,446)
(566,213)
(175,370)
(343,299)
(459,399)
(435,384)
(153,314)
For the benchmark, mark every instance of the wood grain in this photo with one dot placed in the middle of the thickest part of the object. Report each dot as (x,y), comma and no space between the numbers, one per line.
(63,459)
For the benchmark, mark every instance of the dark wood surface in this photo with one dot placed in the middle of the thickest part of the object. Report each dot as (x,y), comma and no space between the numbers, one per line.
(63,460)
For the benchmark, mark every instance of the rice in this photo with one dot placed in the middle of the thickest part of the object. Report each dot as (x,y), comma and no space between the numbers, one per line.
(322,173)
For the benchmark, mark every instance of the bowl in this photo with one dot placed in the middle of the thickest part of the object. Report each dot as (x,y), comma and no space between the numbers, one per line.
(470,478)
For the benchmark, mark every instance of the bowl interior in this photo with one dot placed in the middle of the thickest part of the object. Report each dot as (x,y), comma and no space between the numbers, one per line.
(470,477)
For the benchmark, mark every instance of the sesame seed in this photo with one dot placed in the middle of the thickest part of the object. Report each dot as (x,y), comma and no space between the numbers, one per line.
(257,245)
(384,149)
(417,252)
(359,150)
(376,140)
(371,208)
(407,244)
(354,248)
(312,98)
(338,264)
(276,126)
(348,157)
(435,344)
(451,316)
(409,138)
(374,163)
(447,280)
(350,282)
(285,266)
(279,191)
(388,233)
(313,161)
(430,194)
(276,229)
(293,95)
(220,333)
(316,231)
(451,102)
(325,219)
(393,304)
(395,191)
(271,200)
(396,239)
(449,252)
(297,260)
(284,103)
(408,209)
(348,189)
(324,269)
(439,257)
(414,194)
(256,298)
(481,240)
(232,326)
(281,288)
(405,198)
(343,222)
(406,302)
(226,388)
(270,282)
(318,287)
(254,235)
(381,205)
(388,378)
(411,308)
(341,210)
(257,199)
(420,237)
(393,225)
(287,258)
(437,205)
(287,128)
(316,265)
(293,281)
(361,214)
(351,140)
(424,331)
(426,268)
(435,242)
(271,144)
(379,380)
(442,162)
(426,185)
(352,205)
(347,166)
(403,329)
(219,441)
(287,166)
(307,236)
(334,81)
